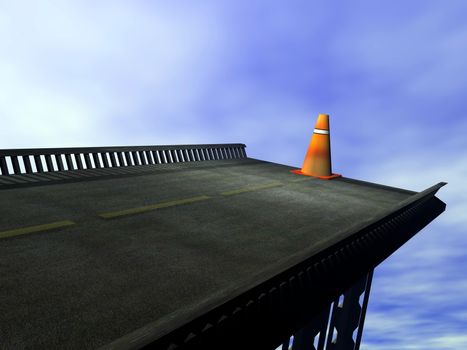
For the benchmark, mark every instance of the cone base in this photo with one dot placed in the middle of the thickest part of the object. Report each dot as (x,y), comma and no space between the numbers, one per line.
(333,176)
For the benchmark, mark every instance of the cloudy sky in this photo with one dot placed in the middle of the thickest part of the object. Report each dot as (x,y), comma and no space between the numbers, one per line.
(391,74)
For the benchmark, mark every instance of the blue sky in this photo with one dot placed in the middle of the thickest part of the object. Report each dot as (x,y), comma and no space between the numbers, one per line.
(391,74)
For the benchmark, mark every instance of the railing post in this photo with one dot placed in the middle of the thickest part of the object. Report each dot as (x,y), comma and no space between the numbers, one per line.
(3,166)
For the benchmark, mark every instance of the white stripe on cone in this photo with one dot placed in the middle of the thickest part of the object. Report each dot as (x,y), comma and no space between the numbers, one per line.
(321,131)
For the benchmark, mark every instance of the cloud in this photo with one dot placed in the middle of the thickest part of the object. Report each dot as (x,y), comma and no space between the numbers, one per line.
(102,75)
(418,293)
(419,168)
(257,72)
(390,335)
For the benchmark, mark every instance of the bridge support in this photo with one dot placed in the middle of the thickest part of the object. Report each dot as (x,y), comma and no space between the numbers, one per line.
(347,316)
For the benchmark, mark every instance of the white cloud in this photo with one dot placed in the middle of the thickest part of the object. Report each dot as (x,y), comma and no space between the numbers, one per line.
(152,73)
(415,290)
(407,329)
(98,74)
(418,169)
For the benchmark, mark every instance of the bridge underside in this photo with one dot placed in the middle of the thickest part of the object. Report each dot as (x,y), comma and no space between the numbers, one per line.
(213,253)
(338,328)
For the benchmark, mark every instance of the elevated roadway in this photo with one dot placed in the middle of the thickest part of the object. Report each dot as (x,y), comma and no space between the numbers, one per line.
(120,261)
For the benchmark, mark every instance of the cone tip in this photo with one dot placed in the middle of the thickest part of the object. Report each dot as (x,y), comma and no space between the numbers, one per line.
(323,121)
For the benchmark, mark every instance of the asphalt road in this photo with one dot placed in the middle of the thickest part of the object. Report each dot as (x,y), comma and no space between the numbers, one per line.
(84,263)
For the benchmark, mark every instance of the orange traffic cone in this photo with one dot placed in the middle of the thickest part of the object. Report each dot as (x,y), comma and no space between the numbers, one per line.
(317,161)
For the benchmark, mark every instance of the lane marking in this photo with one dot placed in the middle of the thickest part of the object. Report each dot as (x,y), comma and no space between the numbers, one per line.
(251,188)
(300,180)
(146,208)
(137,210)
(37,228)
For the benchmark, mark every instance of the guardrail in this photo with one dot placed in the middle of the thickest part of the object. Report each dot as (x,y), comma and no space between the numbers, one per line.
(40,160)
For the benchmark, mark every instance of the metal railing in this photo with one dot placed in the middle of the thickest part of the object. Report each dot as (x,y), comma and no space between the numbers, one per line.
(40,160)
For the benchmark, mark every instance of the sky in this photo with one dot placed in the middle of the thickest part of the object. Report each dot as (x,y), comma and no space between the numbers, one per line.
(392,75)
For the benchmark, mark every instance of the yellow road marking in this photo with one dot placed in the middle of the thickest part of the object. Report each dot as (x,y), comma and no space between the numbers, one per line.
(138,210)
(300,180)
(252,188)
(37,228)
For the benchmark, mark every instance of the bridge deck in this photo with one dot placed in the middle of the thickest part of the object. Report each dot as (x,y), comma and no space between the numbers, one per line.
(87,262)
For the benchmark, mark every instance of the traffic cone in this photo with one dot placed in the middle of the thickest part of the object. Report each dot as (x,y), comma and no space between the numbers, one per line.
(317,161)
